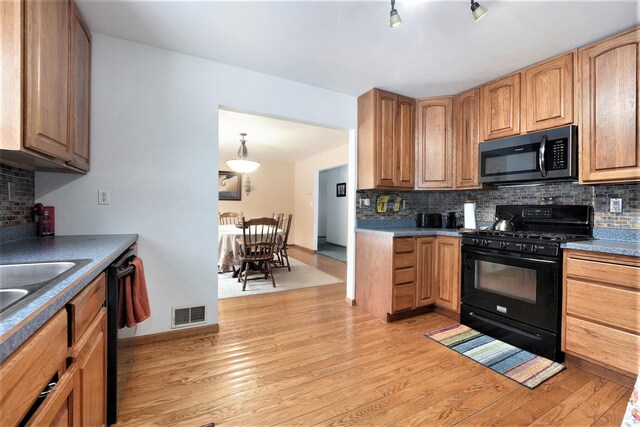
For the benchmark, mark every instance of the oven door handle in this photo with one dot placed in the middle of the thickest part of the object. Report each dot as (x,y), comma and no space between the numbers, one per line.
(503,326)
(534,260)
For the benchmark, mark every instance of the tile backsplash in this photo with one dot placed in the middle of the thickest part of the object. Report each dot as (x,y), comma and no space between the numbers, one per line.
(20,210)
(486,200)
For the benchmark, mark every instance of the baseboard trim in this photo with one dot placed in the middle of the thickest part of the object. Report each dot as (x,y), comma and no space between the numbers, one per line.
(350,301)
(172,335)
(446,312)
(599,370)
(302,248)
(409,313)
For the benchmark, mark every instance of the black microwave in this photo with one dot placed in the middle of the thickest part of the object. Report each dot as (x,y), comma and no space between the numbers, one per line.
(546,155)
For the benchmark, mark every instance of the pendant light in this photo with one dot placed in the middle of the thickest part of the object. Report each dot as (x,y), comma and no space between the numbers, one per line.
(477,10)
(394,16)
(242,164)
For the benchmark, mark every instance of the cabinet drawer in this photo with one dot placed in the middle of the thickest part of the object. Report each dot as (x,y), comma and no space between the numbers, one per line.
(604,271)
(404,297)
(404,245)
(602,344)
(404,275)
(28,370)
(404,260)
(85,306)
(613,306)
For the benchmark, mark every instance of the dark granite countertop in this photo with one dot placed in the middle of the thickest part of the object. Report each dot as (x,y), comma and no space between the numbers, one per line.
(409,231)
(617,247)
(102,250)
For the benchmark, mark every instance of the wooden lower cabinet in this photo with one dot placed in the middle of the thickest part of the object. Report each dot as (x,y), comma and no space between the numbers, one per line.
(62,406)
(79,371)
(447,273)
(90,355)
(397,275)
(601,308)
(426,255)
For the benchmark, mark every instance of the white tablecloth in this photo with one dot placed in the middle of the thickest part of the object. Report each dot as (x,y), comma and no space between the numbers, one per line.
(229,245)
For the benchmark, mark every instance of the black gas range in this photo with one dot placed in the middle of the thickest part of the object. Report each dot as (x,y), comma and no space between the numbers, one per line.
(512,280)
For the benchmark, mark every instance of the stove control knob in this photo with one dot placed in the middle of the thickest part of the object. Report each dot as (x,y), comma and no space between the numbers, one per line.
(475,241)
(519,247)
(485,243)
(535,248)
(503,245)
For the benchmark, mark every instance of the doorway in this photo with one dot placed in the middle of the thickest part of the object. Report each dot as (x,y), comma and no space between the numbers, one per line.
(332,213)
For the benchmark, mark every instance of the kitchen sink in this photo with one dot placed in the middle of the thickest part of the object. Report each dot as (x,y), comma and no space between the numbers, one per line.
(20,282)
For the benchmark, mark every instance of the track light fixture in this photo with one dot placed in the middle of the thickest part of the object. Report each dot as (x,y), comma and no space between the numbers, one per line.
(394,18)
(477,10)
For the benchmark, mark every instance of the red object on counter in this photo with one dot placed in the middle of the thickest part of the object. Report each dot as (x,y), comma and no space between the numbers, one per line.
(47,222)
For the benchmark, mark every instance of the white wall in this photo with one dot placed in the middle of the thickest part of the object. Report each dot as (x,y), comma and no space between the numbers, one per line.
(336,207)
(305,192)
(272,192)
(322,204)
(154,145)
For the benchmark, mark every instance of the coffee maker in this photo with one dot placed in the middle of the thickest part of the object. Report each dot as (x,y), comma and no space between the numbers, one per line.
(46,220)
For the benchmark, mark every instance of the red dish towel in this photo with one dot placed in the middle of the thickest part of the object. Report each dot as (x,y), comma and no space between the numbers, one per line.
(133,298)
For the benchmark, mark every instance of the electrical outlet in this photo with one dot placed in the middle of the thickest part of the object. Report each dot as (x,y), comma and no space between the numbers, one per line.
(615,205)
(104,197)
(11,189)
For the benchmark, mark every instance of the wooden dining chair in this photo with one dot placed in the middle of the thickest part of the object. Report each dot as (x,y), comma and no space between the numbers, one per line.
(230,218)
(282,255)
(258,247)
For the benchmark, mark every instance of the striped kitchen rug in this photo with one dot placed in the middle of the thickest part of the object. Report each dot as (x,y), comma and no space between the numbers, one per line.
(526,368)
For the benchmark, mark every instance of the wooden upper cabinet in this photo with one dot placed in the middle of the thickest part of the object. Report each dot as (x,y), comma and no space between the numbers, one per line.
(386,154)
(47,77)
(466,123)
(435,142)
(610,147)
(405,143)
(80,94)
(547,94)
(500,112)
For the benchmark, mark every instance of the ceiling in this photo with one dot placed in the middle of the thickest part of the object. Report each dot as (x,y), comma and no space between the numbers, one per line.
(348,47)
(270,139)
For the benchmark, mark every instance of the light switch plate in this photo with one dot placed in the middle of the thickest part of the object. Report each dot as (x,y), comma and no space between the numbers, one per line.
(104,197)
(615,205)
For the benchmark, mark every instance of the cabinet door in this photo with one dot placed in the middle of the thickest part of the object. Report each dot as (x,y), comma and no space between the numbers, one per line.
(46,77)
(405,143)
(548,94)
(426,257)
(79,99)
(435,143)
(61,407)
(466,124)
(90,356)
(385,147)
(610,116)
(501,108)
(448,273)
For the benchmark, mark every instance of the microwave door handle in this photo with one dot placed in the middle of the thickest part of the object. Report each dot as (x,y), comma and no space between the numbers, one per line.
(541,154)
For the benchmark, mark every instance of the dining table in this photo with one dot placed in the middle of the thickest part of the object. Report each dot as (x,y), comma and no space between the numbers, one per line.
(230,246)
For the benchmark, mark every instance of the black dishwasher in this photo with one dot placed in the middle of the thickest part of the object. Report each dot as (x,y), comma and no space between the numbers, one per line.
(119,340)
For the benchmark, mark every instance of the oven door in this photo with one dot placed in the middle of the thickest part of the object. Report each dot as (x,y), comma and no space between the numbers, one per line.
(512,285)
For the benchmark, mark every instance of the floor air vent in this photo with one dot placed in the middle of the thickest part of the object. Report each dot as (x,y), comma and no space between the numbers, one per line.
(185,316)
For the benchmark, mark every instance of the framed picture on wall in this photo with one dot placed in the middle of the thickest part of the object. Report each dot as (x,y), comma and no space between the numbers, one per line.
(229,185)
(341,189)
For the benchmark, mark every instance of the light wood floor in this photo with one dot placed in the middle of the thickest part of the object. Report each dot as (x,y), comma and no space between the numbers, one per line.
(304,357)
